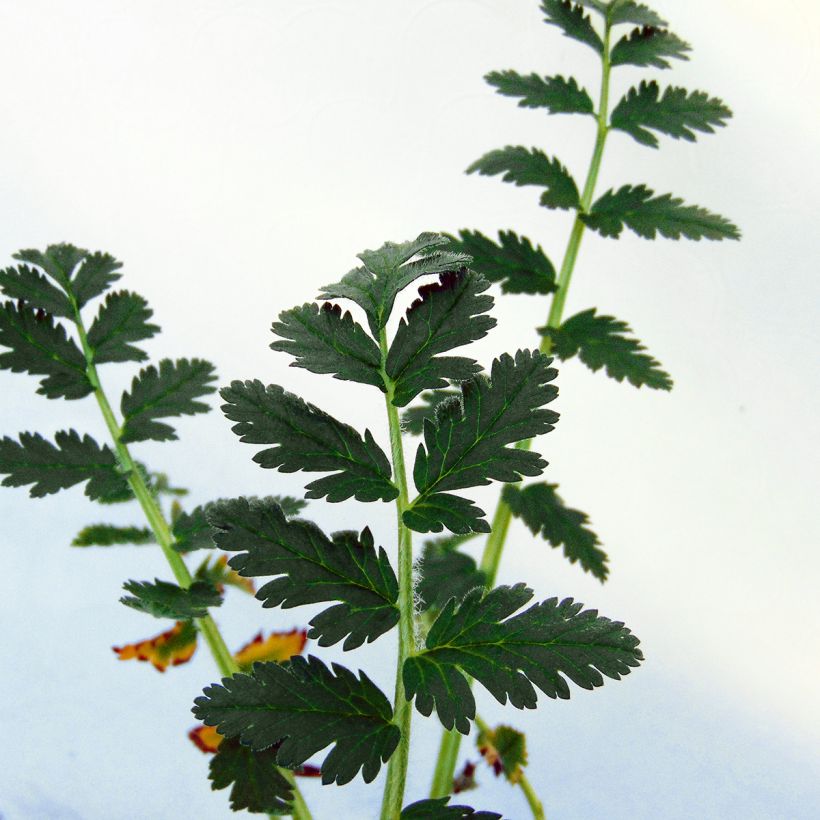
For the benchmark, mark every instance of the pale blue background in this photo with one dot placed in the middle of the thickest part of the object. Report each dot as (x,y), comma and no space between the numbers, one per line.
(236,155)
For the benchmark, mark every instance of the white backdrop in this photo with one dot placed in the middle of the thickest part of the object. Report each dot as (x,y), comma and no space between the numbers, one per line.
(236,155)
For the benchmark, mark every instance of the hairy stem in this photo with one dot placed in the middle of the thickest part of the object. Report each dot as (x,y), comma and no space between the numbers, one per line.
(402,708)
(494,547)
(225,662)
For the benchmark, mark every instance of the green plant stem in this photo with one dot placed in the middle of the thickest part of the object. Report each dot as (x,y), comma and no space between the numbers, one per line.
(402,708)
(162,532)
(533,801)
(494,547)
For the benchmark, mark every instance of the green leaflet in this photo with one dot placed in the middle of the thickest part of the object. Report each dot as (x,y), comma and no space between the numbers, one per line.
(512,261)
(122,319)
(110,535)
(256,783)
(164,600)
(511,654)
(306,706)
(647,215)
(437,809)
(556,94)
(505,750)
(448,314)
(323,340)
(638,14)
(601,341)
(34,288)
(572,21)
(677,113)
(96,274)
(412,419)
(306,438)
(313,569)
(192,531)
(390,269)
(39,346)
(58,261)
(531,166)
(445,573)
(436,511)
(466,445)
(52,467)
(170,390)
(649,46)
(541,508)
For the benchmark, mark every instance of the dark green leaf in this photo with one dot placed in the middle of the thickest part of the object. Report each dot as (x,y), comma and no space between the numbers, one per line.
(389,270)
(511,654)
(531,166)
(628,11)
(445,573)
(572,21)
(312,568)
(308,439)
(512,261)
(677,113)
(556,94)
(171,390)
(323,340)
(58,261)
(122,319)
(305,706)
(412,418)
(437,809)
(164,600)
(541,508)
(466,445)
(601,341)
(649,46)
(635,207)
(50,468)
(39,346)
(256,783)
(448,314)
(110,535)
(192,531)
(96,274)
(435,511)
(32,287)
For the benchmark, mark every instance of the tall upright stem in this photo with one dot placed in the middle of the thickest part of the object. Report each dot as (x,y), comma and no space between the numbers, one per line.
(494,547)
(402,708)
(225,662)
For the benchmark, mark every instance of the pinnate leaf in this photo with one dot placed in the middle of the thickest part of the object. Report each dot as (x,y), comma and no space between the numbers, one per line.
(323,340)
(72,459)
(164,600)
(677,113)
(110,535)
(512,654)
(122,319)
(173,647)
(466,444)
(312,568)
(601,341)
(256,783)
(172,389)
(448,314)
(557,94)
(637,208)
(570,18)
(649,46)
(306,706)
(541,508)
(531,166)
(306,438)
(39,346)
(390,269)
(512,261)
(437,809)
